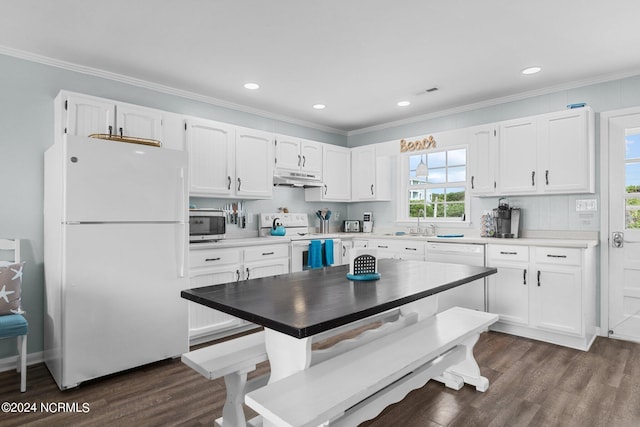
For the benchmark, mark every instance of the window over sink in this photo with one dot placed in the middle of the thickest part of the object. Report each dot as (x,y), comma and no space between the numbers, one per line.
(434,185)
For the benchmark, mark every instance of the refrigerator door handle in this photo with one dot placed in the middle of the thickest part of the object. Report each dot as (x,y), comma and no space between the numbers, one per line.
(180,246)
(183,193)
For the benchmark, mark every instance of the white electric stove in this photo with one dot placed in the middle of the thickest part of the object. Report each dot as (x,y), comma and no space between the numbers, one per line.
(298,230)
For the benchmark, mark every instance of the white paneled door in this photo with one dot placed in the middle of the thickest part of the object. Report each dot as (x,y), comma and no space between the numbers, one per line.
(622,130)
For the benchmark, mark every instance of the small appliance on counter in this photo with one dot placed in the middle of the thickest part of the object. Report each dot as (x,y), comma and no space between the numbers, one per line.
(506,220)
(367,222)
(206,225)
(277,229)
(351,226)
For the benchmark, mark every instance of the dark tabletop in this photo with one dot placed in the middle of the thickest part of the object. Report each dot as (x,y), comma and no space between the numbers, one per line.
(313,301)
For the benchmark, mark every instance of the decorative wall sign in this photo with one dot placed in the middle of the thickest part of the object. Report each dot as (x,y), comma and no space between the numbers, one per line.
(420,144)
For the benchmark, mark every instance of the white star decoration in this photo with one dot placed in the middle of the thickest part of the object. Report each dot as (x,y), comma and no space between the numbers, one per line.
(4,294)
(18,273)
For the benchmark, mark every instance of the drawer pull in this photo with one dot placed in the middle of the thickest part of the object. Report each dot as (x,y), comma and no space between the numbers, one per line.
(556,256)
(212,259)
(267,253)
(411,249)
(508,253)
(383,246)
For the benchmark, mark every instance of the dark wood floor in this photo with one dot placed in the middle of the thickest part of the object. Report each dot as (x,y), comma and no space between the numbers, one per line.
(532,384)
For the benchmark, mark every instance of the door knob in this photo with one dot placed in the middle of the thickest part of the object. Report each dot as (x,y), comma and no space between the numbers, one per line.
(617,239)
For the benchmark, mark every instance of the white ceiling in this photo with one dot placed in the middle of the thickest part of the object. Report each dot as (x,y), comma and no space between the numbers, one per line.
(359,57)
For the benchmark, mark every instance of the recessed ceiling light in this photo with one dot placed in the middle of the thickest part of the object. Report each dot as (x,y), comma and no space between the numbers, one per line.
(251,86)
(319,106)
(531,70)
(403,103)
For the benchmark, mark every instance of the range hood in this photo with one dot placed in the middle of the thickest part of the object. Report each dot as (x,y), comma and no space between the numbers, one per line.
(296,179)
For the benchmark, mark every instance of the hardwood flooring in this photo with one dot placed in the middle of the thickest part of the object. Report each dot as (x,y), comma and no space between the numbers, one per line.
(532,384)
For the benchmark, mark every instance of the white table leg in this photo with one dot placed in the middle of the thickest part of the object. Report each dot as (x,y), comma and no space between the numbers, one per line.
(425,307)
(467,371)
(287,355)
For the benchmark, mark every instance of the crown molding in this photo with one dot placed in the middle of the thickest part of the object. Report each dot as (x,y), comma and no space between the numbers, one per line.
(496,101)
(121,78)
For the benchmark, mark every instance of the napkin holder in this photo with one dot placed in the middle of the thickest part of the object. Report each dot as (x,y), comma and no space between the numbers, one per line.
(363,264)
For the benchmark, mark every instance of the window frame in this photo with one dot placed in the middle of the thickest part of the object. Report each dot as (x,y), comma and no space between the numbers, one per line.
(402,215)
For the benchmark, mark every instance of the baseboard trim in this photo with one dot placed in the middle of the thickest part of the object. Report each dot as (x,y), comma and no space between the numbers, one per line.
(10,363)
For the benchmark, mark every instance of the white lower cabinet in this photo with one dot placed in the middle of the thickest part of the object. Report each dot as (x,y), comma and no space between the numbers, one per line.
(398,249)
(216,266)
(545,293)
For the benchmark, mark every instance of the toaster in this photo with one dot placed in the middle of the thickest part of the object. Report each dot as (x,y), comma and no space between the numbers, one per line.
(351,226)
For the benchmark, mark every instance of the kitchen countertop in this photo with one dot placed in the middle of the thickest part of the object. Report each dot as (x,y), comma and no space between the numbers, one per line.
(537,240)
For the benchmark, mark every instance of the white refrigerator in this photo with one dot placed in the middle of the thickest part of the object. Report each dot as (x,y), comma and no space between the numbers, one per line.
(115,245)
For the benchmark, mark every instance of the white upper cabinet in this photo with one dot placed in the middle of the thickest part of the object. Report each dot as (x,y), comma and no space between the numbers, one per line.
(211,158)
(298,155)
(518,156)
(336,173)
(370,175)
(311,152)
(228,161)
(549,153)
(254,164)
(483,159)
(140,122)
(566,162)
(84,115)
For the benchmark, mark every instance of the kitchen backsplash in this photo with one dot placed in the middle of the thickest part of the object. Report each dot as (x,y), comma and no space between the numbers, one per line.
(539,212)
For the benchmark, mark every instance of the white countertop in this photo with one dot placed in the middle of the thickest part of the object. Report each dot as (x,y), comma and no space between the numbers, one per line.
(536,240)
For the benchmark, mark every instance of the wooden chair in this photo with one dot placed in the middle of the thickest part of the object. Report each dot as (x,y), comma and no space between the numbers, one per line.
(15,325)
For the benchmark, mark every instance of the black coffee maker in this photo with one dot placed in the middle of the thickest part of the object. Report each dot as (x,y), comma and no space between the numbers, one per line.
(506,220)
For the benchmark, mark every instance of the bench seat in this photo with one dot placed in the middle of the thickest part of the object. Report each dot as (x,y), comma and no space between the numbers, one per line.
(233,360)
(357,385)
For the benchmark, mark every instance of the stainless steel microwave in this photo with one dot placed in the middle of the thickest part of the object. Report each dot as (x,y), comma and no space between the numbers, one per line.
(206,224)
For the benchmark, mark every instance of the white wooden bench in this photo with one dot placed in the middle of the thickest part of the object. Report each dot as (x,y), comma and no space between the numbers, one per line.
(358,384)
(233,360)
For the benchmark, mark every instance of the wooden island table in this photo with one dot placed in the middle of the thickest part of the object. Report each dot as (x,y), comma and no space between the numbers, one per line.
(295,307)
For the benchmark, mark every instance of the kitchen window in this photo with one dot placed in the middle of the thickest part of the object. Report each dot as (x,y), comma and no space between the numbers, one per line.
(434,184)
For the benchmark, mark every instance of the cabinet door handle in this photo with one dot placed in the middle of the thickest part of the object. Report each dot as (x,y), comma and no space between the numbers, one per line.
(411,249)
(472,179)
(229,184)
(121,133)
(299,160)
(344,251)
(533,178)
(372,189)
(267,253)
(325,189)
(304,161)
(546,176)
(247,269)
(237,275)
(508,253)
(212,259)
(556,256)
(110,130)
(239,183)
(538,277)
(524,277)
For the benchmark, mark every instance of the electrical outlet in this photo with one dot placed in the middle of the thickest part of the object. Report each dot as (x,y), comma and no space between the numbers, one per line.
(586,205)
